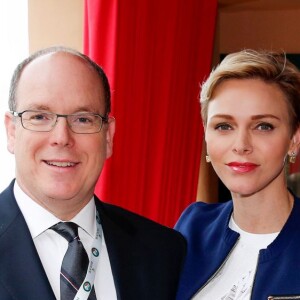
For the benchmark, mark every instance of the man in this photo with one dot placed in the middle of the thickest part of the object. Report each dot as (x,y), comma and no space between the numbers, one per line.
(60,133)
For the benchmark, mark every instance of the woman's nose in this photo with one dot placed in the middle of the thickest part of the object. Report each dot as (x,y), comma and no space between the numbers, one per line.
(242,143)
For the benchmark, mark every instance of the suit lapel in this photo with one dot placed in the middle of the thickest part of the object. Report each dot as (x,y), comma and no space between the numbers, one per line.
(120,242)
(21,271)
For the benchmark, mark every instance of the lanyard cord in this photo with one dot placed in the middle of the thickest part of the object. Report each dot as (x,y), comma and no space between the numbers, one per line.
(88,282)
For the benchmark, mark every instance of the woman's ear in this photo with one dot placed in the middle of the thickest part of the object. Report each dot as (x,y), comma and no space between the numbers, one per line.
(296,141)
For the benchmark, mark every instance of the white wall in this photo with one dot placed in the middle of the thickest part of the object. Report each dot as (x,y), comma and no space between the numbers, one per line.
(14,47)
(26,26)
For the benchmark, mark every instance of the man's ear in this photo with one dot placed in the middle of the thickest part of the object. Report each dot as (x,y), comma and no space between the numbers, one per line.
(10,131)
(110,132)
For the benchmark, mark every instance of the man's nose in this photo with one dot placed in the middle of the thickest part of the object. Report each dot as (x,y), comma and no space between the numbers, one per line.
(61,133)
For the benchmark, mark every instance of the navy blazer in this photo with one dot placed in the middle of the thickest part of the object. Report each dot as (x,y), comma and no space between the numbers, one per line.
(146,258)
(210,242)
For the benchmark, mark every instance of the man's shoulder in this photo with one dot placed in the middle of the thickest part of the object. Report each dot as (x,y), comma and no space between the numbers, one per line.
(9,209)
(151,253)
(136,224)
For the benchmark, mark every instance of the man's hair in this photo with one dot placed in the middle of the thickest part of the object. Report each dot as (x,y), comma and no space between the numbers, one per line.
(12,102)
(270,67)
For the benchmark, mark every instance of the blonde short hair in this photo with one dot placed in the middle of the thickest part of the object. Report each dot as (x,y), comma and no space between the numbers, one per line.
(273,68)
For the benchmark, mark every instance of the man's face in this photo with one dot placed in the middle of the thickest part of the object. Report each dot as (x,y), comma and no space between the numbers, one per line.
(59,168)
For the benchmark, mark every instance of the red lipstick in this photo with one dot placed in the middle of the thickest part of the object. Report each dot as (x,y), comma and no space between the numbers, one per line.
(242,167)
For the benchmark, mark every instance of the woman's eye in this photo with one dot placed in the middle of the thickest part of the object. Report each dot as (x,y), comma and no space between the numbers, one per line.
(222,127)
(265,127)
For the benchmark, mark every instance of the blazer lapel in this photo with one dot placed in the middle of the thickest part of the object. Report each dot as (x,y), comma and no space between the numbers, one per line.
(21,271)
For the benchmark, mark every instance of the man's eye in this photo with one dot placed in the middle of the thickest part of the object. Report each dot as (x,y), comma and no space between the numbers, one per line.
(40,117)
(83,120)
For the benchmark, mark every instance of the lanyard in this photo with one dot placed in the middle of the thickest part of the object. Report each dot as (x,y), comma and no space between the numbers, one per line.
(88,282)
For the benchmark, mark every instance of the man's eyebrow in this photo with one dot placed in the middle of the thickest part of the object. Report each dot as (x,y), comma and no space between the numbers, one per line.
(47,108)
(84,108)
(38,107)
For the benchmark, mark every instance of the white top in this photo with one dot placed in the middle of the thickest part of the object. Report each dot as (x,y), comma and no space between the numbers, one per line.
(52,247)
(235,279)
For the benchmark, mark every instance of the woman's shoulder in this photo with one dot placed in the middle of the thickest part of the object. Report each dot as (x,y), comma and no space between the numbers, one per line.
(205,213)
(200,207)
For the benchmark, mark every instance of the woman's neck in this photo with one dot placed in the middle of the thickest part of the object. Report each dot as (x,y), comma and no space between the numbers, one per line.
(263,212)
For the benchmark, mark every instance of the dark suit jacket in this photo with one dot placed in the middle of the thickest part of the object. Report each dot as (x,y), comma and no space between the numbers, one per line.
(145,257)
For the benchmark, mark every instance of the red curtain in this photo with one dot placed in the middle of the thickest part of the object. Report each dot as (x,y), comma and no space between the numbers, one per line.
(155,54)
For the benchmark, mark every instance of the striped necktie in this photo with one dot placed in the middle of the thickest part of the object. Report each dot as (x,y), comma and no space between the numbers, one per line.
(75,262)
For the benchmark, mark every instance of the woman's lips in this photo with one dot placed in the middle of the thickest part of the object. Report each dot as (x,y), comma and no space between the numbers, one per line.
(242,167)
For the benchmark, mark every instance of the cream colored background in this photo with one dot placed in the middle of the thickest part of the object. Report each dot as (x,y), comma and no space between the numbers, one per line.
(55,22)
(272,24)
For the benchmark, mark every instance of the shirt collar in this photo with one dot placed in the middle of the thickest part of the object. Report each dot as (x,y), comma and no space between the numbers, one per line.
(39,219)
(86,218)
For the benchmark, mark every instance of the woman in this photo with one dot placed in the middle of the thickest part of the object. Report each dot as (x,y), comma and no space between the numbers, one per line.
(247,248)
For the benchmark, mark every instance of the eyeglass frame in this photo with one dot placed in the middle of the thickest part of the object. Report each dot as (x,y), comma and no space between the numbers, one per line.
(20,114)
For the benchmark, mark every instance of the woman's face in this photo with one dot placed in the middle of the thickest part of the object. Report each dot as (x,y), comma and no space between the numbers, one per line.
(248,135)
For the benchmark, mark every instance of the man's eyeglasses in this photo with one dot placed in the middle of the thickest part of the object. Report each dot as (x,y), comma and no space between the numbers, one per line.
(42,121)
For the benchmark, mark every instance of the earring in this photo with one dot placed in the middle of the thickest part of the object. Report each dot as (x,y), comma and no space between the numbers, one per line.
(292,158)
(207,158)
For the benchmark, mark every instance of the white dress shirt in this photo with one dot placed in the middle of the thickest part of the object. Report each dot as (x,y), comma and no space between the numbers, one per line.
(52,247)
